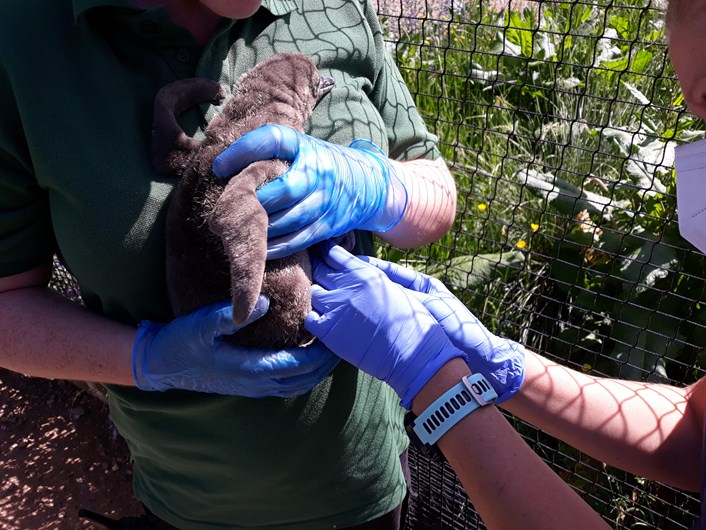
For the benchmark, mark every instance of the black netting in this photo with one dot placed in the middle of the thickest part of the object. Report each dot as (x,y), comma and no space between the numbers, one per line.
(63,282)
(559,121)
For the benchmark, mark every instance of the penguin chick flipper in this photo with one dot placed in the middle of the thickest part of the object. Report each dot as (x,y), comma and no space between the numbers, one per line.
(240,221)
(169,144)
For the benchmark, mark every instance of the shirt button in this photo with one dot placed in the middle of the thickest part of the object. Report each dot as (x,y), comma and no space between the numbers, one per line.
(183,55)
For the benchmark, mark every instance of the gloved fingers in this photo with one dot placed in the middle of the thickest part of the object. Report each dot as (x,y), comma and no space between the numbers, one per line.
(404,276)
(464,329)
(320,225)
(298,216)
(253,367)
(468,332)
(258,363)
(217,320)
(323,300)
(410,278)
(282,246)
(264,143)
(317,323)
(337,258)
(301,384)
(351,345)
(293,186)
(321,324)
(439,307)
(212,321)
(339,321)
(350,280)
(318,297)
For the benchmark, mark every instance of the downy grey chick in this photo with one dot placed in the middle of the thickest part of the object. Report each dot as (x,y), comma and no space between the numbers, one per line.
(216,229)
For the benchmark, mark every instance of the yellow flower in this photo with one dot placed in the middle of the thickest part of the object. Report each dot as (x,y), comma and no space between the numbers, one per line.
(521,243)
(534,227)
(482,207)
(586,368)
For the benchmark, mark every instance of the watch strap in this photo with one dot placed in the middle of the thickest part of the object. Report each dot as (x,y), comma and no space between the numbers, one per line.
(474,391)
(431,452)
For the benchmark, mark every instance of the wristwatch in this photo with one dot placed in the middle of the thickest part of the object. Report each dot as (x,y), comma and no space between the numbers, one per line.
(474,391)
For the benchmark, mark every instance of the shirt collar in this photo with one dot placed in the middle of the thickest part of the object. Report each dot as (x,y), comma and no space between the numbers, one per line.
(276,7)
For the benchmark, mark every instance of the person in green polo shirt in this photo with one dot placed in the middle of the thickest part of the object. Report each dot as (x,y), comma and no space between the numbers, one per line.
(319,448)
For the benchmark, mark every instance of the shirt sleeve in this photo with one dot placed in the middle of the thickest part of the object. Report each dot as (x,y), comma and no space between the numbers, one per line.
(26,236)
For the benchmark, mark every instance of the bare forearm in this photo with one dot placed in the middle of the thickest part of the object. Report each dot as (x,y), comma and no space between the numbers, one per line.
(510,486)
(44,335)
(644,428)
(431,203)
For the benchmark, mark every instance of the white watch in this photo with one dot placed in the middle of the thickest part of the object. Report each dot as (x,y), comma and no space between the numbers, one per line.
(474,391)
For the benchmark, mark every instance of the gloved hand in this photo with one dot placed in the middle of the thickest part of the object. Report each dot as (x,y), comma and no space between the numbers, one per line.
(328,190)
(190,353)
(375,324)
(500,360)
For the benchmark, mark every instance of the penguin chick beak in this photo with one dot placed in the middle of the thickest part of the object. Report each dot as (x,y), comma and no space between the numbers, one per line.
(326,83)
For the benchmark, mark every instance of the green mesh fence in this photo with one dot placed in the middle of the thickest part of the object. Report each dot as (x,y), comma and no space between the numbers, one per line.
(559,121)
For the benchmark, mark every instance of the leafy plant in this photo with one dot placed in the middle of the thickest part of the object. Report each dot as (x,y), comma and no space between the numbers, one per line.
(559,122)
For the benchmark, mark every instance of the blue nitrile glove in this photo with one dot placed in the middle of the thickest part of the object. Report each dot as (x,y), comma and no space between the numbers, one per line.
(375,324)
(190,353)
(500,360)
(328,190)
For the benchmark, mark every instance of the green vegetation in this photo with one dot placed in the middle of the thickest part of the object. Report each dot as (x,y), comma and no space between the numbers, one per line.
(559,121)
(560,124)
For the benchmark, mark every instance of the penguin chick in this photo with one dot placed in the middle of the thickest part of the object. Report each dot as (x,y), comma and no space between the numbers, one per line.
(216,233)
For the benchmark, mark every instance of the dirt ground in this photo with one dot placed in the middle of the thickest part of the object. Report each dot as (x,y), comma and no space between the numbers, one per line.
(58,452)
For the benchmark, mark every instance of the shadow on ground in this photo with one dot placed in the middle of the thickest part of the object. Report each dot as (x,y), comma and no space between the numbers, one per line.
(58,452)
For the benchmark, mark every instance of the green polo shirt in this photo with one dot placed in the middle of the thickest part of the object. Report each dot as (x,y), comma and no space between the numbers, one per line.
(77,83)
